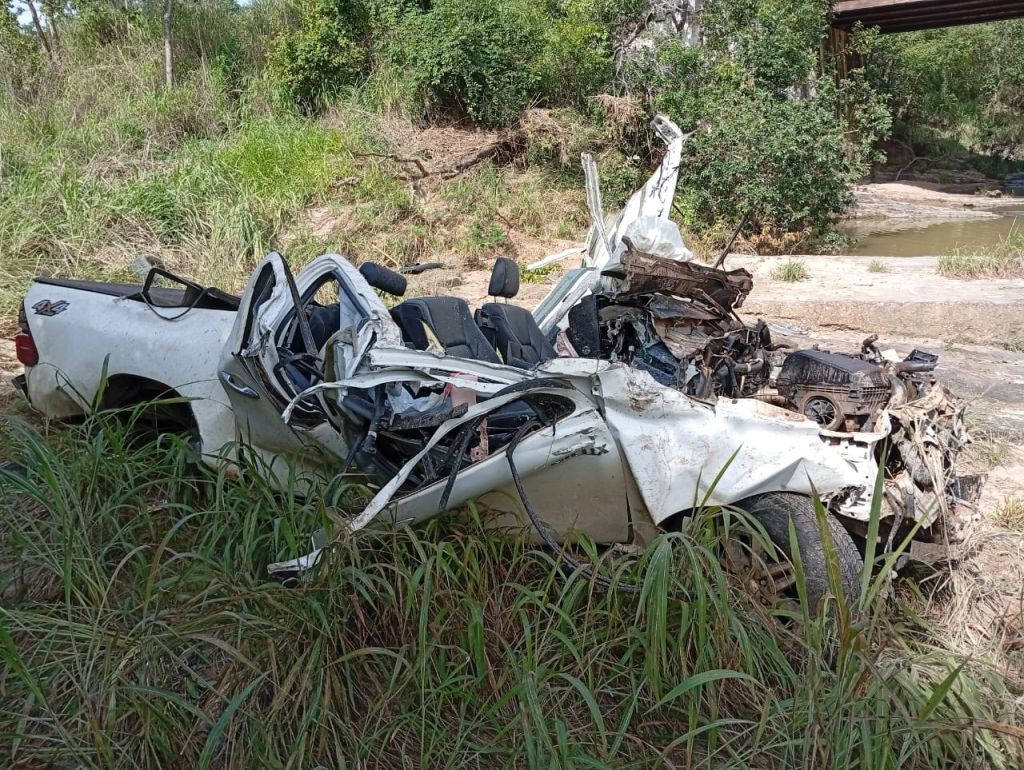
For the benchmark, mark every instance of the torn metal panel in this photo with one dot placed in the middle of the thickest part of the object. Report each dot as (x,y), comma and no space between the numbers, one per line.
(647,274)
(675,447)
(602,246)
(655,198)
(605,240)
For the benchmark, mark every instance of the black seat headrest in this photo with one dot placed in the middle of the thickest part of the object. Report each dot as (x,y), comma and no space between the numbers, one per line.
(504,278)
(380,277)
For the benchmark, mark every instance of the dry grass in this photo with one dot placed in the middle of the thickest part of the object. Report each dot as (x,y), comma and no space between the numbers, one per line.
(1010,514)
(989,450)
(877,266)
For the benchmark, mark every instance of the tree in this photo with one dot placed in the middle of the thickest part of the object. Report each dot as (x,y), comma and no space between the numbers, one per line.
(37,24)
(19,53)
(169,42)
(772,149)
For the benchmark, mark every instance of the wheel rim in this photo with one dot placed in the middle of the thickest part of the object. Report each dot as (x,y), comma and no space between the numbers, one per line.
(769,581)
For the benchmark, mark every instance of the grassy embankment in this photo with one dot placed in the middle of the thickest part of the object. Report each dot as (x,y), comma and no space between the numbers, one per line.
(93,178)
(1003,261)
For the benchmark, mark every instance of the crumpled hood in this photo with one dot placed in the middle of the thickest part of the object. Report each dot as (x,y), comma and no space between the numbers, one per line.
(676,447)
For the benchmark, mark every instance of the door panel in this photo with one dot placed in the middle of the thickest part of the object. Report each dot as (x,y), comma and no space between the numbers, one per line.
(256,400)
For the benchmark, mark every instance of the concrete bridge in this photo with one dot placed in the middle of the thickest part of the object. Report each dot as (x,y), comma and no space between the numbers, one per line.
(909,15)
(891,16)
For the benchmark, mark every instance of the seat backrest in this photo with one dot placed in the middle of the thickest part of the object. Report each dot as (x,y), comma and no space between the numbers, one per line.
(514,333)
(446,319)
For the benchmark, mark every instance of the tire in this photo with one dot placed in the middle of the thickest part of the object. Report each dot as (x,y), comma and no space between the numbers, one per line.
(774,511)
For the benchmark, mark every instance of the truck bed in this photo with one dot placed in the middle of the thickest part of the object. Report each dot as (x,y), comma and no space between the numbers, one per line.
(212,299)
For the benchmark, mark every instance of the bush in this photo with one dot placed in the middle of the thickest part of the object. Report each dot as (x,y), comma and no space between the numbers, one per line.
(323,50)
(776,139)
(958,89)
(782,162)
(772,44)
(474,57)
(577,61)
(19,55)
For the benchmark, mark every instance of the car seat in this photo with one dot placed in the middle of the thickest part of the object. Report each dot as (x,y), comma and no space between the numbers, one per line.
(510,329)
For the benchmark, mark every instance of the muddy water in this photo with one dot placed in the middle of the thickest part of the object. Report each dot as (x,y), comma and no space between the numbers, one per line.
(916,238)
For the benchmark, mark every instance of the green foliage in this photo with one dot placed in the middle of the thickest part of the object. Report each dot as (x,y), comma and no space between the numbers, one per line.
(783,162)
(100,23)
(491,60)
(776,139)
(576,62)
(475,56)
(791,271)
(769,44)
(1005,260)
(20,55)
(323,51)
(955,90)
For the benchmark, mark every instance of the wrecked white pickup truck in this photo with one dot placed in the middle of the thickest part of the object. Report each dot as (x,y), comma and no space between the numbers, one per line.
(630,397)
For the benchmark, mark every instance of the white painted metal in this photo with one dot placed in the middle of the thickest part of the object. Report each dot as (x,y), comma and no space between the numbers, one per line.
(127,338)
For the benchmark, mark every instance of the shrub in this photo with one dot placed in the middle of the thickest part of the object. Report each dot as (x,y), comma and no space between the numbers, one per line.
(577,61)
(791,271)
(325,51)
(956,89)
(19,54)
(475,57)
(777,140)
(772,44)
(782,162)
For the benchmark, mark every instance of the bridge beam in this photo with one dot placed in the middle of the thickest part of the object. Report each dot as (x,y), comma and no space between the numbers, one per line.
(892,16)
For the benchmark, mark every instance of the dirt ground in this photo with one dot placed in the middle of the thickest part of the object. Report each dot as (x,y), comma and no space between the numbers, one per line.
(926,200)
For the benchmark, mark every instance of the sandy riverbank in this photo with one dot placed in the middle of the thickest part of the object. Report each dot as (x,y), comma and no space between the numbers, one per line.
(924,201)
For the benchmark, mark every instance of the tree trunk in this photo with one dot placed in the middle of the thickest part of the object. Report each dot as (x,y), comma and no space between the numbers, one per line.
(52,10)
(168,40)
(43,38)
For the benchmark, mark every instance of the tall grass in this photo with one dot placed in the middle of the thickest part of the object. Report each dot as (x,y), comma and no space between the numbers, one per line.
(101,163)
(138,629)
(211,208)
(1006,260)
(791,271)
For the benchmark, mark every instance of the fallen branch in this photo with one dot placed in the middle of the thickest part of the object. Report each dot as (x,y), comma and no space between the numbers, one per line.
(506,143)
(398,159)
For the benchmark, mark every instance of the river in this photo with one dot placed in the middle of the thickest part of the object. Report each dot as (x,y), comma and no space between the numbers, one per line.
(917,238)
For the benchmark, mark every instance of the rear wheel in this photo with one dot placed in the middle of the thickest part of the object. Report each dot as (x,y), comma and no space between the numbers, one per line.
(776,580)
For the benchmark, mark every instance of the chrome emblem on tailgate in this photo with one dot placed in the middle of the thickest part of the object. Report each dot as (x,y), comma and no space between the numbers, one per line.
(50,308)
